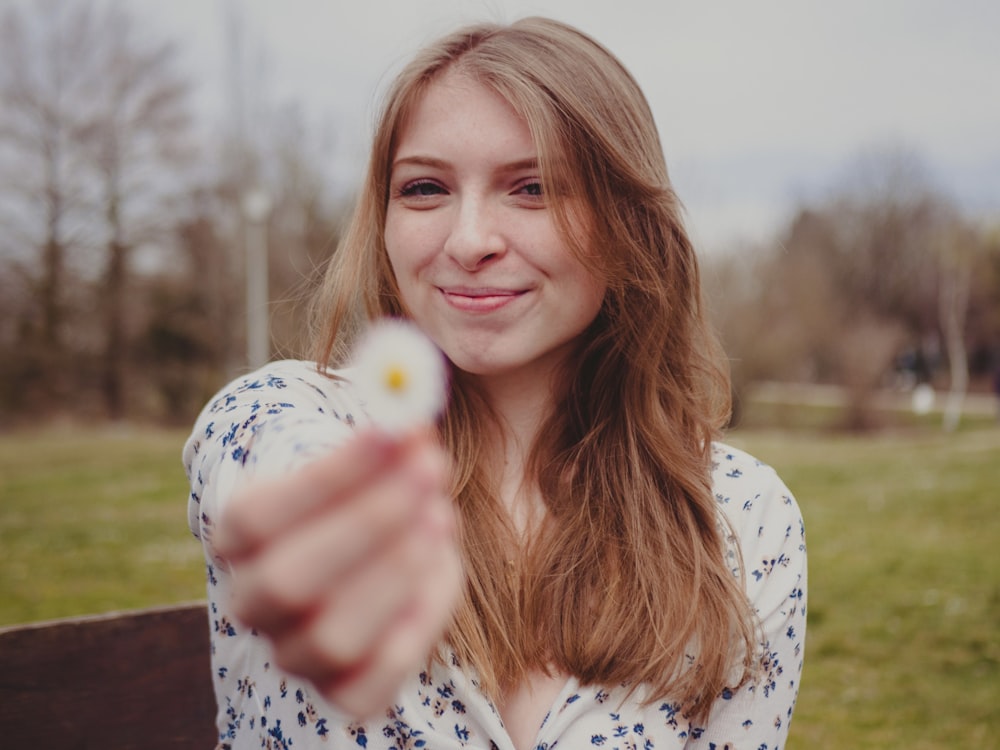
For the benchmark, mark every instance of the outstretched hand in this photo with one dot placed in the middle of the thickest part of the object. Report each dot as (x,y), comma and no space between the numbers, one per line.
(350,565)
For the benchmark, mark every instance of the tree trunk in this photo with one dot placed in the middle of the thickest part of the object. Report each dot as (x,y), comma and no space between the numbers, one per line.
(53,251)
(956,280)
(114,378)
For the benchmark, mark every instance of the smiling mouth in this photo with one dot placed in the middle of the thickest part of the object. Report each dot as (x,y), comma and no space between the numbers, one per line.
(481,299)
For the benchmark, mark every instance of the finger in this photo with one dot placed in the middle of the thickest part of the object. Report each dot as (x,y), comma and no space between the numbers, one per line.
(268,508)
(369,688)
(356,614)
(291,577)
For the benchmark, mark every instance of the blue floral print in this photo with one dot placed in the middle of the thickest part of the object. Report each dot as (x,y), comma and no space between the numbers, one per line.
(287,414)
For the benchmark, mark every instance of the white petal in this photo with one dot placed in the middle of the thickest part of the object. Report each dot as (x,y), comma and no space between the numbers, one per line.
(400,376)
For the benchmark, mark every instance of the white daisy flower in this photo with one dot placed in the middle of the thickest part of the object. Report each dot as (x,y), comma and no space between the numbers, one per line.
(399,375)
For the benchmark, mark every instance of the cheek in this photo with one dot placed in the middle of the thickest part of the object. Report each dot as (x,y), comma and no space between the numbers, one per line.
(396,256)
(392,237)
(401,260)
(594,293)
(409,248)
(582,285)
(589,294)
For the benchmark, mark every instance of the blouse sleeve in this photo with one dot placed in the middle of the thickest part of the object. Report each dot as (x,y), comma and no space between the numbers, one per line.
(768,523)
(264,424)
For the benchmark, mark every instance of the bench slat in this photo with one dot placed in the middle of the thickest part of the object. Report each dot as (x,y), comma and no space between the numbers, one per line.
(127,680)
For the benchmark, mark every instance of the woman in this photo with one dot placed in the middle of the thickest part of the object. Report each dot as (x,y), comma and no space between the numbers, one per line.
(568,558)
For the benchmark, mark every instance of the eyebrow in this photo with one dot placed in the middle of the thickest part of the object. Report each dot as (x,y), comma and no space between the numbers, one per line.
(433,162)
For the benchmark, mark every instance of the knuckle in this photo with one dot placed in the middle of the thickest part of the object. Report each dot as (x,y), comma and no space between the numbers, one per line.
(336,638)
(338,652)
(326,658)
(271,596)
(236,532)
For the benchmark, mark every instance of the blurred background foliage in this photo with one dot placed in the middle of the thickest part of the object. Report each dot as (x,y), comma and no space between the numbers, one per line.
(123,237)
(122,229)
(881,285)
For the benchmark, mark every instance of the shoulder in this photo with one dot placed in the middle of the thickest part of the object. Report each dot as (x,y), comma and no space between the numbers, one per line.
(278,396)
(746,487)
(761,514)
(282,385)
(280,392)
(265,423)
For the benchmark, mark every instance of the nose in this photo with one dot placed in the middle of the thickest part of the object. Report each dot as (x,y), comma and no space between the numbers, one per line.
(476,236)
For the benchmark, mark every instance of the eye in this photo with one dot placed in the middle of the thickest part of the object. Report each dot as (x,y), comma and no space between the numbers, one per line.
(529,193)
(420,189)
(532,188)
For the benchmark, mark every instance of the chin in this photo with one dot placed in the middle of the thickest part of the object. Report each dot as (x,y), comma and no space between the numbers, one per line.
(477,369)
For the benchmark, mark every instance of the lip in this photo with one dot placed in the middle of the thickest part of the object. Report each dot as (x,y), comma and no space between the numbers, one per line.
(480,299)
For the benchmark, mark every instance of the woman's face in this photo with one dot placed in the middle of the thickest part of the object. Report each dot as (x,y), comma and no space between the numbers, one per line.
(473,242)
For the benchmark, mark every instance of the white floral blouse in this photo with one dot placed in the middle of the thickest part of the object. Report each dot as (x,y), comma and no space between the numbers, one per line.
(287,414)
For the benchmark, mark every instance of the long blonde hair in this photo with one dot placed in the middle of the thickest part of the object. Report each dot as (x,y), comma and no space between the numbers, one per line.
(625,580)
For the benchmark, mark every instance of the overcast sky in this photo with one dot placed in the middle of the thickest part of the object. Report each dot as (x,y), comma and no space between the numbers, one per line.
(760,104)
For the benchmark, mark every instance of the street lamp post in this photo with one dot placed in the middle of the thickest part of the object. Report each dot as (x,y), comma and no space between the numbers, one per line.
(256,210)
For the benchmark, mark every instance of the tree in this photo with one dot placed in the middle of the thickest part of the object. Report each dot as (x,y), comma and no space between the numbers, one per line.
(270,147)
(135,136)
(94,139)
(192,337)
(883,264)
(93,130)
(44,62)
(968,295)
(884,218)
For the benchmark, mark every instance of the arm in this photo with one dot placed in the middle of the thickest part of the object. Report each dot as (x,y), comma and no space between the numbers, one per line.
(266,424)
(328,540)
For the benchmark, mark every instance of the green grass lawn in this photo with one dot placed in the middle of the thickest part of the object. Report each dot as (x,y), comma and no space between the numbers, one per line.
(93,521)
(903,532)
(904,587)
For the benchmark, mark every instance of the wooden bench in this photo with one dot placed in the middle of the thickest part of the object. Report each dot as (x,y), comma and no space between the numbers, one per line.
(123,680)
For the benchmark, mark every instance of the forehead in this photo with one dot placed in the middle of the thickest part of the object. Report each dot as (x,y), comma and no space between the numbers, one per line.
(456,111)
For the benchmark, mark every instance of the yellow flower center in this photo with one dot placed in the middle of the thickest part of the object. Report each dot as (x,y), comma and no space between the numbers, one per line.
(395,378)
